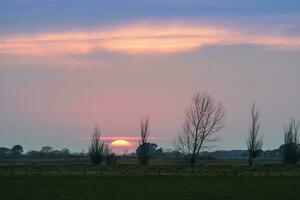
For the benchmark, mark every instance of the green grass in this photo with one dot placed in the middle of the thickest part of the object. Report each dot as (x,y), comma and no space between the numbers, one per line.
(148,187)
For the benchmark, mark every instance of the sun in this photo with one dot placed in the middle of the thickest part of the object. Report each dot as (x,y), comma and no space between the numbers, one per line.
(120,143)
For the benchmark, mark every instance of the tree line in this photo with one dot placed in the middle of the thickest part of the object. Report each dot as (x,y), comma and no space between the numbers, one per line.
(204,118)
(45,152)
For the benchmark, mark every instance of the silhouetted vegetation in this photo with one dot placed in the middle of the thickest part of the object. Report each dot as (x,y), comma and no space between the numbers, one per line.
(5,152)
(50,152)
(97,148)
(46,149)
(254,141)
(290,155)
(109,157)
(16,150)
(204,118)
(143,153)
(153,149)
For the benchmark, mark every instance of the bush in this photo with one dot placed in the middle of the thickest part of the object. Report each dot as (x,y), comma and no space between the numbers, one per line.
(290,153)
(110,159)
(96,150)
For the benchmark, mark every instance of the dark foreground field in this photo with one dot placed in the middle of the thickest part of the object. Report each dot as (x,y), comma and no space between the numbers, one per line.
(148,187)
(162,179)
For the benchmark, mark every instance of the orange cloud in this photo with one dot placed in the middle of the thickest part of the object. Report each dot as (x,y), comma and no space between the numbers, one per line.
(139,39)
(162,39)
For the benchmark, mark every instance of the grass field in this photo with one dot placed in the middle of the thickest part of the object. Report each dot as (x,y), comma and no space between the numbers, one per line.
(130,167)
(163,179)
(148,187)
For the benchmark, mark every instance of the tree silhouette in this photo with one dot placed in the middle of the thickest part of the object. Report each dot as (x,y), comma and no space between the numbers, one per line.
(254,141)
(16,150)
(204,118)
(109,157)
(144,151)
(46,149)
(96,150)
(290,153)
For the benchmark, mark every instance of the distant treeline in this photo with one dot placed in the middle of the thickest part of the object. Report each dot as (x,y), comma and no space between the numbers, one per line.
(275,154)
(49,152)
(45,152)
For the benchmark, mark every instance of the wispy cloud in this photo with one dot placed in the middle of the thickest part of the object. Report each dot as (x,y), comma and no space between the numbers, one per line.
(141,39)
(127,138)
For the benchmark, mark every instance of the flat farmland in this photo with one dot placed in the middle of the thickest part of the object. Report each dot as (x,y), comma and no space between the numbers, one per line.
(157,167)
(148,187)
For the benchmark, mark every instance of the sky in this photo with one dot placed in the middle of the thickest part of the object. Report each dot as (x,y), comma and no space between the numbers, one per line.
(68,65)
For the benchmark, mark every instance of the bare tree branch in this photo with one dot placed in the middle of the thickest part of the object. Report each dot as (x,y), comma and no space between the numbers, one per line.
(254,141)
(204,118)
(291,140)
(96,150)
(144,130)
(144,151)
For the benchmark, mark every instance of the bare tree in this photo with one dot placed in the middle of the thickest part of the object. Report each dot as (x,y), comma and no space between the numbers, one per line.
(144,152)
(291,139)
(254,141)
(96,150)
(204,118)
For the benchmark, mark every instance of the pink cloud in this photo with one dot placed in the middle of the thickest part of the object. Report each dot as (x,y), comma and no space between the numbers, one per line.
(127,138)
(141,38)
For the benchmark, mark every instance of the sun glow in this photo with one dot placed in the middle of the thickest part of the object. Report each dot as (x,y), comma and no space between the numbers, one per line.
(120,143)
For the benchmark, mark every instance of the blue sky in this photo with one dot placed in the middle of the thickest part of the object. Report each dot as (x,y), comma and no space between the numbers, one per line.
(34,15)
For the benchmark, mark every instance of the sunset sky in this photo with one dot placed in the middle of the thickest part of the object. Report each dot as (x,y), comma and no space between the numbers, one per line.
(68,65)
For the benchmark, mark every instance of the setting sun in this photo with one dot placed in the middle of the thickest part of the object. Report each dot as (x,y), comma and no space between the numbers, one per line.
(120,143)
